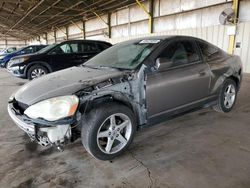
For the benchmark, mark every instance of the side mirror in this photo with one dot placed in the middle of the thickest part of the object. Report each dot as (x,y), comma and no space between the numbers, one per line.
(162,63)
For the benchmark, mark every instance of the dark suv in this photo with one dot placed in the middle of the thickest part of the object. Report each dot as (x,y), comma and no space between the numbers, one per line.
(55,57)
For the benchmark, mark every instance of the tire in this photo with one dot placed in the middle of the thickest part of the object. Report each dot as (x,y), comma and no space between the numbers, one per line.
(223,105)
(98,122)
(5,64)
(36,71)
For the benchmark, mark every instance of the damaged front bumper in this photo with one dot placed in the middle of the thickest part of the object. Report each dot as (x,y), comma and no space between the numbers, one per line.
(28,128)
(45,135)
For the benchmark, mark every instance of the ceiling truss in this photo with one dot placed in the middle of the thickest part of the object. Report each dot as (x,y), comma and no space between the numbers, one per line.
(25,19)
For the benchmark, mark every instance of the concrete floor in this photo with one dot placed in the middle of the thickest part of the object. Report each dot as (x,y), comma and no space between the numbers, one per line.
(200,149)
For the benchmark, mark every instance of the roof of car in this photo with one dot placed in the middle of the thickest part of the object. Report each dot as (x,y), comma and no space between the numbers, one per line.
(84,40)
(163,37)
(36,45)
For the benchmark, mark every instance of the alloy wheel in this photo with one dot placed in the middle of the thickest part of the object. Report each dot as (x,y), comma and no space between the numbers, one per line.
(37,73)
(229,96)
(114,133)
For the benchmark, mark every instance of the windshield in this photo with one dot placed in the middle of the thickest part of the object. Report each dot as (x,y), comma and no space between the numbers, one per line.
(47,48)
(126,55)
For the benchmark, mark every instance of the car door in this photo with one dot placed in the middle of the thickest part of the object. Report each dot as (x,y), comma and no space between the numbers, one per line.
(64,56)
(182,78)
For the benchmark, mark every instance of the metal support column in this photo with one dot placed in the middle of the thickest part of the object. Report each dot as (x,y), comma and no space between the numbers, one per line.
(46,38)
(109,25)
(38,39)
(232,37)
(149,13)
(83,29)
(67,32)
(55,35)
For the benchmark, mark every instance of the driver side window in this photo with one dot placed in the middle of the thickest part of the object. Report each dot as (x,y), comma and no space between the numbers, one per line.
(180,53)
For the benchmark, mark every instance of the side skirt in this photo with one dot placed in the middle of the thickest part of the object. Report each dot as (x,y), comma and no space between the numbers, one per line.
(179,111)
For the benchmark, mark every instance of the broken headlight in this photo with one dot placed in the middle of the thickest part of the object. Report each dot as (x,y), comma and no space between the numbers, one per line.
(54,109)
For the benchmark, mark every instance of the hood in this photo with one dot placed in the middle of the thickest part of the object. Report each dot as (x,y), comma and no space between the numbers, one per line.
(9,56)
(3,55)
(65,82)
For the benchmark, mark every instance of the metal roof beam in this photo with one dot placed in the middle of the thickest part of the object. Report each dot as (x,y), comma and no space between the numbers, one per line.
(76,4)
(45,10)
(80,14)
(27,13)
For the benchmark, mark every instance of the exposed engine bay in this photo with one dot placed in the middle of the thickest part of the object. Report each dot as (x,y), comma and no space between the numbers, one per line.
(130,89)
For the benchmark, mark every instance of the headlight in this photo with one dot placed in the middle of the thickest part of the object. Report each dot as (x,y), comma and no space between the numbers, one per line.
(2,57)
(53,109)
(18,60)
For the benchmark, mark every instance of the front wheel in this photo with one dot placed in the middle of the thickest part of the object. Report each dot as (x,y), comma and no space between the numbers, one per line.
(227,96)
(107,131)
(5,65)
(36,71)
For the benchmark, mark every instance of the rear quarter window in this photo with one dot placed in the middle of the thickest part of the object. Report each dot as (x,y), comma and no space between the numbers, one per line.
(89,47)
(103,46)
(210,52)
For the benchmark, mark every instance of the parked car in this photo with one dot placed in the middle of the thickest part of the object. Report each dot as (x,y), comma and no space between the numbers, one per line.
(5,52)
(130,85)
(55,57)
(8,50)
(26,50)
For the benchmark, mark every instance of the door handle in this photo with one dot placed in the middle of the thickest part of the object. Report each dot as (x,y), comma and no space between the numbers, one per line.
(85,56)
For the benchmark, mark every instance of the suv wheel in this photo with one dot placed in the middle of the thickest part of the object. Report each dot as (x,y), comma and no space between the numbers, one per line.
(36,71)
(5,65)
(107,131)
(227,96)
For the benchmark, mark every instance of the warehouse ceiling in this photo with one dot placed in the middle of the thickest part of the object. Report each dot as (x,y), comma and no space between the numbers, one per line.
(25,19)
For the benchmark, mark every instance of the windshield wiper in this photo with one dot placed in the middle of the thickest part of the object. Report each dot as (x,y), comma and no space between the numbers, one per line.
(109,67)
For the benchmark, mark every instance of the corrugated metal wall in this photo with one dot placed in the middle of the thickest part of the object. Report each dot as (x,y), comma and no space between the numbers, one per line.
(215,34)
(243,40)
(199,18)
(12,42)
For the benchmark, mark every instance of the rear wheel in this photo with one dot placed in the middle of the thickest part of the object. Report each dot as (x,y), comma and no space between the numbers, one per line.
(227,96)
(36,71)
(107,131)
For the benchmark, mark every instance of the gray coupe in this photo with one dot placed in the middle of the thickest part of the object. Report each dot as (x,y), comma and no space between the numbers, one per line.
(128,86)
